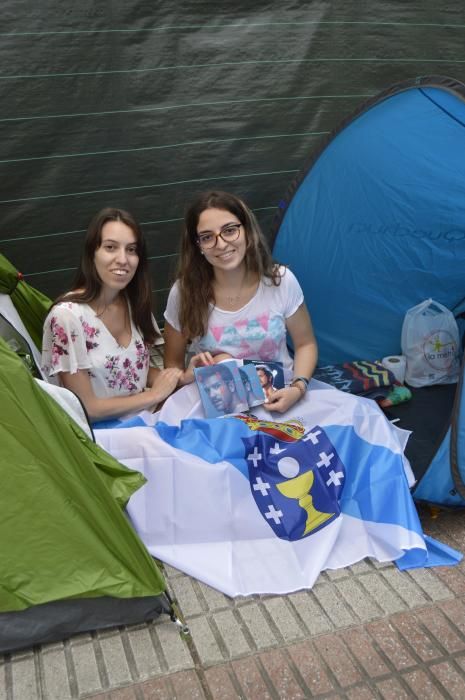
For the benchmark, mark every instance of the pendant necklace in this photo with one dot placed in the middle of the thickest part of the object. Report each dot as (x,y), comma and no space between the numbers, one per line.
(232,300)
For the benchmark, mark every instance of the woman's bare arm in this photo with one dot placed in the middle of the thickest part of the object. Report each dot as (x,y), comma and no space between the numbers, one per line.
(300,329)
(175,355)
(99,408)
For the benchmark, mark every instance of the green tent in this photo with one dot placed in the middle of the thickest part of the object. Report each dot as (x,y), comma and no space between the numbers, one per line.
(31,305)
(69,559)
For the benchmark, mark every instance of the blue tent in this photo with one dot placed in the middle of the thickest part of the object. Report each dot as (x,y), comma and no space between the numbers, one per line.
(374,224)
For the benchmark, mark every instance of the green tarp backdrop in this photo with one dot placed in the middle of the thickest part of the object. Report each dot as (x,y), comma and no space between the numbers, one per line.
(142,104)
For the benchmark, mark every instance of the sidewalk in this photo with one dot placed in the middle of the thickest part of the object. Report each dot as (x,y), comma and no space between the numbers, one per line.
(368,631)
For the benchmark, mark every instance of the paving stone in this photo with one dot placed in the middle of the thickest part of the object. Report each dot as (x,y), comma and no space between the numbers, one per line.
(460,660)
(220,684)
(145,657)
(215,599)
(437,625)
(334,605)
(362,604)
(186,686)
(405,587)
(336,574)
(284,618)
(186,596)
(2,681)
(79,639)
(231,633)
(360,692)
(310,668)
(453,578)
(55,674)
(121,694)
(22,653)
(310,612)
(53,646)
(450,679)
(382,564)
(431,584)
(388,601)
(360,644)
(24,678)
(333,652)
(422,686)
(410,629)
(281,675)
(85,666)
(257,626)
(175,649)
(361,567)
(390,642)
(392,689)
(205,642)
(115,660)
(250,679)
(156,689)
(170,572)
(455,611)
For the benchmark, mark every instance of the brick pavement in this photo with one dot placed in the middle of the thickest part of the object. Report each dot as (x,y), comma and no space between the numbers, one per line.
(368,631)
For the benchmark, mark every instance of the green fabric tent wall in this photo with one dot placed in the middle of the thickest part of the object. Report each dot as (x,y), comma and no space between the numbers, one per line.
(69,559)
(31,304)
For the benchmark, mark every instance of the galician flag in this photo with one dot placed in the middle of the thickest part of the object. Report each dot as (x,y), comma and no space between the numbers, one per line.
(263,503)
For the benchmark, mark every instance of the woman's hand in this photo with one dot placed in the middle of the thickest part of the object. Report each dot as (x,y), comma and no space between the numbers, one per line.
(282,399)
(201,360)
(164,383)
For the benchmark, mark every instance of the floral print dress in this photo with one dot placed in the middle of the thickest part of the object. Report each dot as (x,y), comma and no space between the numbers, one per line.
(76,339)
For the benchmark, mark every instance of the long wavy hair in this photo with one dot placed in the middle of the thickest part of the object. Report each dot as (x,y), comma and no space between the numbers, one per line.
(87,284)
(195,274)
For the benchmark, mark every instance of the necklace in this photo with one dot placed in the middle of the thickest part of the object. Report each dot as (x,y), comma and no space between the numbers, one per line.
(102,312)
(233,299)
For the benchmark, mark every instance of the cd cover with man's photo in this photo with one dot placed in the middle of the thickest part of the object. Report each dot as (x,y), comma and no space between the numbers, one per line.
(270,374)
(235,386)
(221,389)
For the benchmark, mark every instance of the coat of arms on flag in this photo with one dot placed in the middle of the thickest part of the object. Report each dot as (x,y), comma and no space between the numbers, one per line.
(295,483)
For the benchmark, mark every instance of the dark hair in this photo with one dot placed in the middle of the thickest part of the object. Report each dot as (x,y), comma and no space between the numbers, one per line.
(210,371)
(245,377)
(87,284)
(266,370)
(195,273)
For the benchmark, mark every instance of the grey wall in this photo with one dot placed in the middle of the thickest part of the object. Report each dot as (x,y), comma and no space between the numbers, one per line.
(143,106)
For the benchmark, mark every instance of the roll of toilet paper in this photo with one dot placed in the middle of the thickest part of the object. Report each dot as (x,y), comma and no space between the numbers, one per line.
(397,365)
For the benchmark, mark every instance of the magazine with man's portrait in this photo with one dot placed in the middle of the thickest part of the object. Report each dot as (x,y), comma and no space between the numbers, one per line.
(221,389)
(232,386)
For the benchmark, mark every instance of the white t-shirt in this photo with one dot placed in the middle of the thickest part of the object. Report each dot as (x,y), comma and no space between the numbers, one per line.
(257,331)
(75,338)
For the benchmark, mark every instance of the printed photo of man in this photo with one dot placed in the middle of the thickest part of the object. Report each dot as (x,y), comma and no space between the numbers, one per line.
(218,384)
(252,385)
(266,377)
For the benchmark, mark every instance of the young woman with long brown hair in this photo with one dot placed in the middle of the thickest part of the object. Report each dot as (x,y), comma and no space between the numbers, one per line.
(231,300)
(98,336)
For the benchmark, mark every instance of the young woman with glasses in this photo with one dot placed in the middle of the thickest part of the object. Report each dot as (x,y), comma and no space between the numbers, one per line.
(231,300)
(97,337)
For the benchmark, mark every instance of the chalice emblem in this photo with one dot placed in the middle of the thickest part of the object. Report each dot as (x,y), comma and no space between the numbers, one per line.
(299,488)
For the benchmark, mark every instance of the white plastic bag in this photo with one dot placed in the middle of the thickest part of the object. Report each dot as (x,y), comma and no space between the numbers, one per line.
(430,342)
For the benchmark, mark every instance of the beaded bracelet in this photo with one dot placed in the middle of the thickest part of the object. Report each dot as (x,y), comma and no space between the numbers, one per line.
(299,388)
(304,381)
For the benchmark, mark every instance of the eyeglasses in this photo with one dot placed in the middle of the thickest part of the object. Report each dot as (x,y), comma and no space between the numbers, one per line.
(229,234)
